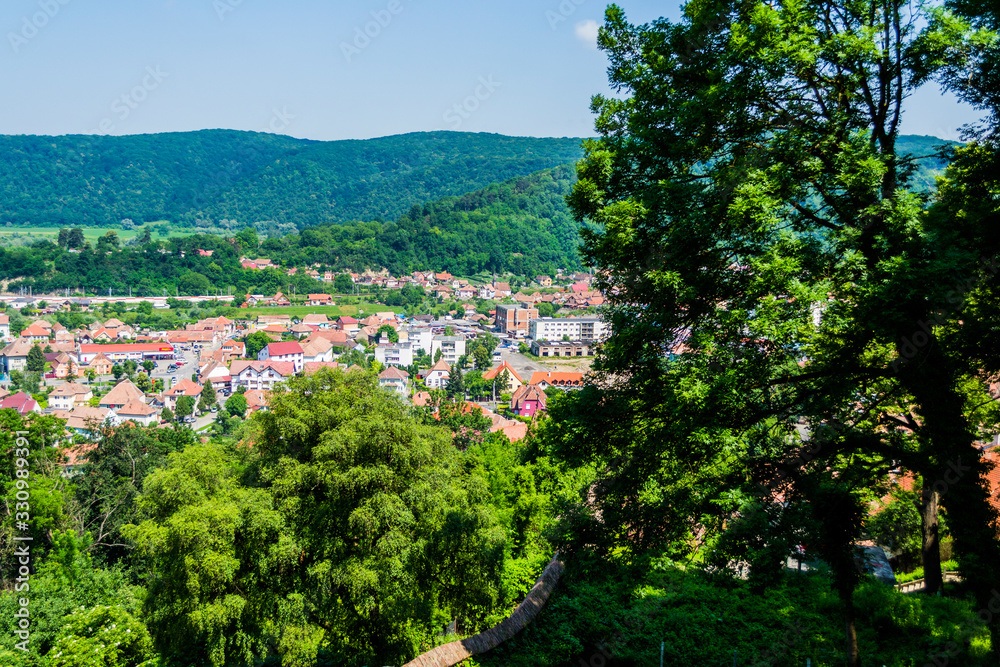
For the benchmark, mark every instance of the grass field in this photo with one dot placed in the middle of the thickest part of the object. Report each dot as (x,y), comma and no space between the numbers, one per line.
(8,234)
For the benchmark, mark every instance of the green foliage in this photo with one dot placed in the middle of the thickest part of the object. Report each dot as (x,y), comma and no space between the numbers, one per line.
(615,613)
(343,284)
(207,398)
(36,359)
(236,405)
(390,333)
(177,177)
(256,342)
(184,406)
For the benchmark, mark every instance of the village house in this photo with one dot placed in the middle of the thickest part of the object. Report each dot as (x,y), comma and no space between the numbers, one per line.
(35,334)
(320,300)
(288,351)
(121,394)
(436,377)
(68,395)
(528,400)
(15,355)
(138,412)
(84,419)
(184,387)
(21,402)
(395,379)
(5,326)
(318,349)
(514,378)
(259,374)
(559,380)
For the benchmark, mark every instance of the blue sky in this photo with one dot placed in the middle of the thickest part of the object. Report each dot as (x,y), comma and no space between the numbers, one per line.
(322,69)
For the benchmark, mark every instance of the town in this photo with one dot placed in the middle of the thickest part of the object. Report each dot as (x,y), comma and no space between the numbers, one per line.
(109,372)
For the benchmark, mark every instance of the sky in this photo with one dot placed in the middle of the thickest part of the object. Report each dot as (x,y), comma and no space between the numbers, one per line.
(324,69)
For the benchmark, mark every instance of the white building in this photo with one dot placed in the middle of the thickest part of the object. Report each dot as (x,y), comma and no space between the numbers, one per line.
(260,374)
(576,328)
(290,352)
(452,347)
(394,354)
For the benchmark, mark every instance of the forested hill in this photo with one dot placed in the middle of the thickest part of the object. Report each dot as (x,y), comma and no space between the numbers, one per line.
(223,180)
(521,225)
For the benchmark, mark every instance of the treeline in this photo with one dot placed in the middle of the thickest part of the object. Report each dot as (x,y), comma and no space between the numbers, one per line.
(223,180)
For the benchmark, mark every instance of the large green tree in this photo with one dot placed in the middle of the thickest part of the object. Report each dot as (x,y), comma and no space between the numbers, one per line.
(36,359)
(755,215)
(348,532)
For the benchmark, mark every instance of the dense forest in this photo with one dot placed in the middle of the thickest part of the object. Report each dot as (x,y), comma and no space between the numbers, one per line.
(521,226)
(223,180)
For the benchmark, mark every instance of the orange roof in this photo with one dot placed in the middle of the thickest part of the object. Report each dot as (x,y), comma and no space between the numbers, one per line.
(494,372)
(558,378)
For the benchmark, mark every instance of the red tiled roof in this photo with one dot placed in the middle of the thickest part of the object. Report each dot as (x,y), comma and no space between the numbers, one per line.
(281,349)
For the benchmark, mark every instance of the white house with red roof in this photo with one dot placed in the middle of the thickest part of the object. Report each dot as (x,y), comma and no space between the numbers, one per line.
(260,374)
(287,351)
(436,377)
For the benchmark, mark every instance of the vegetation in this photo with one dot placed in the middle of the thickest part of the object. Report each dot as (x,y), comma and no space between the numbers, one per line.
(223,180)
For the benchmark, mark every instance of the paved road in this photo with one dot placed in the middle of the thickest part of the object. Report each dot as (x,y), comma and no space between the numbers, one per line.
(524,366)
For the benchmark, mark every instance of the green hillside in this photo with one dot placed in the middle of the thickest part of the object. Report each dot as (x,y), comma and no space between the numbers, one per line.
(521,225)
(220,180)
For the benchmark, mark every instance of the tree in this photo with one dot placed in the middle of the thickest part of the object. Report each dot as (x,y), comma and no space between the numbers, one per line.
(389,331)
(705,211)
(207,398)
(239,299)
(130,367)
(236,405)
(438,355)
(167,415)
(184,406)
(117,371)
(143,383)
(149,365)
(36,359)
(247,239)
(343,284)
(91,375)
(455,388)
(296,537)
(482,357)
(256,342)
(75,238)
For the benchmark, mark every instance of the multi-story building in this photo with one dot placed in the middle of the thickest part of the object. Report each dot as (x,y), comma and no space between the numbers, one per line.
(514,320)
(260,374)
(574,328)
(452,347)
(291,352)
(394,354)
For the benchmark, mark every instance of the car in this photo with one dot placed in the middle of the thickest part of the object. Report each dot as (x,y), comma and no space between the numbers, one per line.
(215,408)
(189,419)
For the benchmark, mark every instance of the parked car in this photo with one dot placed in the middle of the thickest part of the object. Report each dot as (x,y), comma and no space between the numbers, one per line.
(215,408)
(189,419)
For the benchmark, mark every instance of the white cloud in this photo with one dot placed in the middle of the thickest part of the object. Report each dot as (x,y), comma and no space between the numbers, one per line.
(586,32)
